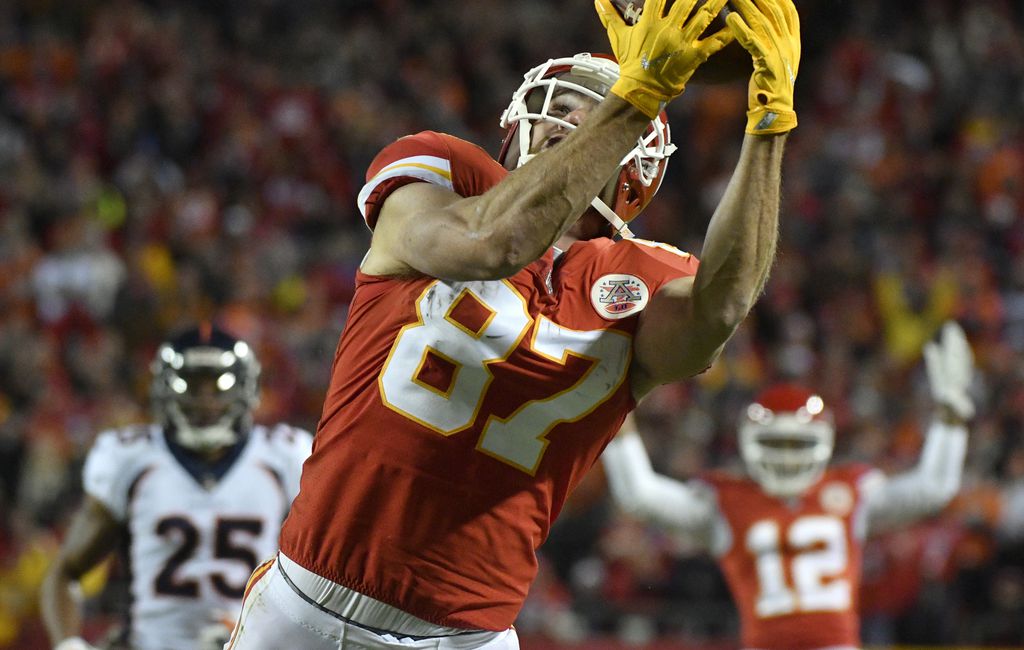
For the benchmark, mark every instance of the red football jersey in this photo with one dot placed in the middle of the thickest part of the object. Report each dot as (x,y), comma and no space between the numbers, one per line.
(794,567)
(461,414)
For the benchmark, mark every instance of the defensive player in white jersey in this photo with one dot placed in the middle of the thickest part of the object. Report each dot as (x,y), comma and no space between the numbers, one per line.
(195,500)
(789,537)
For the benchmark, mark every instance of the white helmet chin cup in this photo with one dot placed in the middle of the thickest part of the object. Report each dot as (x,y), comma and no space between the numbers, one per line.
(787,457)
(591,76)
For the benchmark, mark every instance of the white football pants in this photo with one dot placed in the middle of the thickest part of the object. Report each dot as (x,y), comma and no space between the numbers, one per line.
(275,617)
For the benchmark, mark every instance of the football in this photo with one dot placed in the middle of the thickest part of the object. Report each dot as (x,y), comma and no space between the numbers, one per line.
(732,63)
(629,9)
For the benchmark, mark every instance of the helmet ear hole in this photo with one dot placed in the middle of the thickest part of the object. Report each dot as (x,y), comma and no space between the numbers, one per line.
(628,199)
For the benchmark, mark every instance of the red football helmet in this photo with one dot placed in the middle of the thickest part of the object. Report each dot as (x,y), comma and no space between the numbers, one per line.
(786,439)
(592,75)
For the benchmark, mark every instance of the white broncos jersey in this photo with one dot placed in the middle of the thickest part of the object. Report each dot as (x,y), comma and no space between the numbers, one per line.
(193,537)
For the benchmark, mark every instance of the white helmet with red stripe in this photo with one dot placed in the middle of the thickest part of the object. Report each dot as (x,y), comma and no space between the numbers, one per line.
(592,75)
(786,439)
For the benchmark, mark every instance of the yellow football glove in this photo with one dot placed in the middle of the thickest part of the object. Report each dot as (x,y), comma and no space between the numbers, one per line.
(659,53)
(770,31)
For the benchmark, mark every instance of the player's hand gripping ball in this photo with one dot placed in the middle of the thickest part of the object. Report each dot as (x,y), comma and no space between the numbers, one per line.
(731,63)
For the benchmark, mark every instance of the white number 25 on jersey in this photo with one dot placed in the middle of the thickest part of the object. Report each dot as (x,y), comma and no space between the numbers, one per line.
(821,555)
(463,328)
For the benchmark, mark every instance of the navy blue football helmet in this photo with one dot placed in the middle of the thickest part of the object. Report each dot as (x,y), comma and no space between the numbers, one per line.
(205,387)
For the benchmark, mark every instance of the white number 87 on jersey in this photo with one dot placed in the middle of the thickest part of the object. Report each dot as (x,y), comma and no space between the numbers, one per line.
(464,328)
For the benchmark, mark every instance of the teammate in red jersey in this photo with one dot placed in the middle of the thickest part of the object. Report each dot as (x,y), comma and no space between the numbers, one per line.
(498,336)
(789,537)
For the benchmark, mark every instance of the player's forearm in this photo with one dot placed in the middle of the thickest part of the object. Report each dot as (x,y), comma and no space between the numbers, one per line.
(522,216)
(930,485)
(58,608)
(740,243)
(92,534)
(942,460)
(637,489)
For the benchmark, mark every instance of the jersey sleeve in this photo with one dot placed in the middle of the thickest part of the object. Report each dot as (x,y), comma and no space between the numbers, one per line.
(427,157)
(291,447)
(655,262)
(113,463)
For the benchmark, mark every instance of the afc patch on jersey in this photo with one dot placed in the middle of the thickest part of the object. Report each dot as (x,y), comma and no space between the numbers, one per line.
(618,295)
(836,498)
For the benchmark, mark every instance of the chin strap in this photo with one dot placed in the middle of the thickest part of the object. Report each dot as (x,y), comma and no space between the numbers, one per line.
(620,226)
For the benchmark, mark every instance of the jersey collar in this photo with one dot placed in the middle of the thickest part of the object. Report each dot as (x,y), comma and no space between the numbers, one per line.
(206,473)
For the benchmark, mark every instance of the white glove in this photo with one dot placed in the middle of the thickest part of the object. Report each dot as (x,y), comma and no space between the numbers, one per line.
(74,643)
(950,365)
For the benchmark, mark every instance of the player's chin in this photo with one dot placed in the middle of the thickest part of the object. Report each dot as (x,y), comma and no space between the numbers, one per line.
(591,226)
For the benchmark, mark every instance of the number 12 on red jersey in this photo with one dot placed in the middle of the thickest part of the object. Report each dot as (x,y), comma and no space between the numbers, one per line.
(819,554)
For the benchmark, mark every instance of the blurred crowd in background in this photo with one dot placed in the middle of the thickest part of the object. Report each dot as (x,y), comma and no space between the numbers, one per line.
(166,161)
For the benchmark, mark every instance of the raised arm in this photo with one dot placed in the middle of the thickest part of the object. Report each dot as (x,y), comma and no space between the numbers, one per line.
(935,480)
(430,230)
(637,489)
(688,321)
(93,534)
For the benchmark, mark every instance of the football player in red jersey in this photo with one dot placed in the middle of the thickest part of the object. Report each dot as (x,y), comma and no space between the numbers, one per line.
(789,537)
(498,336)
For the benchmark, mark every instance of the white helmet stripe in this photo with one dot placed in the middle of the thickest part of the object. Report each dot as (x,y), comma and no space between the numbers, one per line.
(427,168)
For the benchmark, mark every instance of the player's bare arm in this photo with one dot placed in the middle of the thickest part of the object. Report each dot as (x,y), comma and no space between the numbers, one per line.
(435,232)
(93,534)
(429,230)
(688,321)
